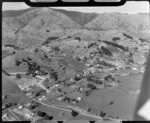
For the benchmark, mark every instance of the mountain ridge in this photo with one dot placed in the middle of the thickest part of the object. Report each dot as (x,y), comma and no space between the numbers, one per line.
(38,24)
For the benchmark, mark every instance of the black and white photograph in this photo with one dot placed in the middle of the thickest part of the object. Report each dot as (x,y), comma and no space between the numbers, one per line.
(75,64)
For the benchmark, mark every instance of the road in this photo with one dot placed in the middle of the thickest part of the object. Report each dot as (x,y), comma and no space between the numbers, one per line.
(81,112)
(14,115)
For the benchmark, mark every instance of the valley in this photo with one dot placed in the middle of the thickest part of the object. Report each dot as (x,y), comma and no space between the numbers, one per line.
(56,66)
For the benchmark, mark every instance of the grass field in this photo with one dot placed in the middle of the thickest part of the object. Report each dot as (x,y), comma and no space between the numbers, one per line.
(124,108)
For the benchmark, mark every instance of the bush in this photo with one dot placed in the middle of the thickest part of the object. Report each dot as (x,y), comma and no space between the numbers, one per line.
(7,74)
(18,76)
(17,62)
(46,117)
(102,114)
(142,40)
(128,36)
(49,39)
(77,38)
(41,114)
(115,38)
(106,51)
(74,113)
(91,86)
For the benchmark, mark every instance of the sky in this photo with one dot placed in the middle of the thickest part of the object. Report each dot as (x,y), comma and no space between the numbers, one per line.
(129,7)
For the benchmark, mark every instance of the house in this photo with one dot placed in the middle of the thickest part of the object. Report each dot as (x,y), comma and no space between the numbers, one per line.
(29,115)
(20,107)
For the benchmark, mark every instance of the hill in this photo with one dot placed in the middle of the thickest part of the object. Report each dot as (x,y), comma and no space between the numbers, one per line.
(11,89)
(118,21)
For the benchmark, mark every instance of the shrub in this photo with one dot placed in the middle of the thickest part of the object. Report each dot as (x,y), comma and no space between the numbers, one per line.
(77,38)
(142,40)
(17,62)
(102,114)
(46,117)
(91,86)
(106,51)
(41,114)
(18,76)
(115,38)
(128,36)
(74,113)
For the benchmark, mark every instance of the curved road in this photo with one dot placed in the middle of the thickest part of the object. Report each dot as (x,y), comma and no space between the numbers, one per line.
(82,112)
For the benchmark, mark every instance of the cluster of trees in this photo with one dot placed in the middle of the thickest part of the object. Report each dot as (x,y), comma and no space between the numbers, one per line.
(92,44)
(115,38)
(128,36)
(117,45)
(33,67)
(91,86)
(49,39)
(13,46)
(93,79)
(53,74)
(109,77)
(106,51)
(143,40)
(44,115)
(56,48)
(7,74)
(103,63)
(102,114)
(27,59)
(42,54)
(18,76)
(40,92)
(8,102)
(34,105)
(6,53)
(85,90)
(74,113)
(77,38)
(17,62)
(8,105)
(88,92)
(78,77)
(99,51)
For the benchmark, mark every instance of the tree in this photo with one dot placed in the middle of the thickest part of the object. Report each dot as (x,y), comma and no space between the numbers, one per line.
(47,117)
(102,114)
(87,93)
(17,62)
(74,113)
(88,109)
(7,74)
(91,86)
(116,38)
(77,78)
(77,38)
(41,114)
(111,103)
(18,76)
(56,48)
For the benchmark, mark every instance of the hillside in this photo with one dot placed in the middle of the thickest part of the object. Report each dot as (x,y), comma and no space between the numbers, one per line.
(78,17)
(118,21)
(37,24)
(11,89)
(77,62)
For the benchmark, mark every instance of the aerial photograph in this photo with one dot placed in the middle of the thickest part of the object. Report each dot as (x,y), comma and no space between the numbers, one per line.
(73,64)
